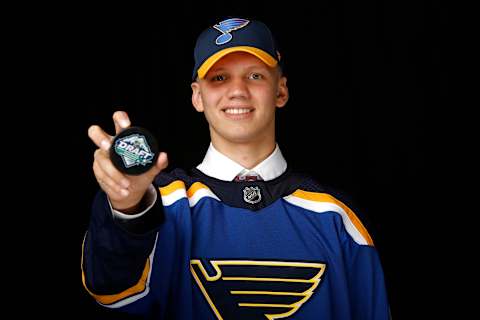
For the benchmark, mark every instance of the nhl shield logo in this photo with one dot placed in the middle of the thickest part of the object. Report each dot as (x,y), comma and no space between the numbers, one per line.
(134,150)
(252,195)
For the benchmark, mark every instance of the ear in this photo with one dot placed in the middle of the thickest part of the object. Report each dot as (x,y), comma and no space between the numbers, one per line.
(197,97)
(282,93)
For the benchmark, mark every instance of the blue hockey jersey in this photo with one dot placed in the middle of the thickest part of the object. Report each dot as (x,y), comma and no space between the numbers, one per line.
(210,249)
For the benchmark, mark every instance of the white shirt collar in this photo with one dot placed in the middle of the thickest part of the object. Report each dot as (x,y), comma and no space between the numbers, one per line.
(219,166)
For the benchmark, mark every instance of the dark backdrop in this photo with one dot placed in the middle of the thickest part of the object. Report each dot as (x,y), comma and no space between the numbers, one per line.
(362,77)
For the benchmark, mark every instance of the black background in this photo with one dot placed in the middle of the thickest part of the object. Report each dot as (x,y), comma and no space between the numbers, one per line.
(363,78)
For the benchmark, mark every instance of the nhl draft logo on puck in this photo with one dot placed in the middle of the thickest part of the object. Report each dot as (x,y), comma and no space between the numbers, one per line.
(134,151)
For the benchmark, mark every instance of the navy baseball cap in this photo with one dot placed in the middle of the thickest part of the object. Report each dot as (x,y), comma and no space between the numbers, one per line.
(234,35)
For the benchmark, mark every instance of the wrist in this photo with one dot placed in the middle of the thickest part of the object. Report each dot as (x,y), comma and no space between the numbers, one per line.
(130,207)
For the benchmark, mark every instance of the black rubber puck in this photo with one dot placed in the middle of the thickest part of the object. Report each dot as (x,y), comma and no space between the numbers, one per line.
(134,151)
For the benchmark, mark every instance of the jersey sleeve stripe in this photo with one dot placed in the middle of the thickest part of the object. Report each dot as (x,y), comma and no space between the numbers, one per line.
(138,291)
(322,202)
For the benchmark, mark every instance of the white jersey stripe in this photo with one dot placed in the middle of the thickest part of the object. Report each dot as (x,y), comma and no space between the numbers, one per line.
(199,194)
(180,193)
(173,197)
(321,207)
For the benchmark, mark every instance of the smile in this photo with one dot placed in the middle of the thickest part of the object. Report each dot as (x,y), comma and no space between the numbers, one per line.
(237,110)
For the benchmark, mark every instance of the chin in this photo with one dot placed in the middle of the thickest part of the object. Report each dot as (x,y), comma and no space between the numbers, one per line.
(239,137)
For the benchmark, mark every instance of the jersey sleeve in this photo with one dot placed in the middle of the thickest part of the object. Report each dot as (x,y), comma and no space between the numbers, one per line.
(366,284)
(367,289)
(117,254)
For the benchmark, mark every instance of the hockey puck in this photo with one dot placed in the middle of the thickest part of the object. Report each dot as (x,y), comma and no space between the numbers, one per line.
(134,151)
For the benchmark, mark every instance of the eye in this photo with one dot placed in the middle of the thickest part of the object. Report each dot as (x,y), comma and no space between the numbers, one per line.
(256,76)
(218,77)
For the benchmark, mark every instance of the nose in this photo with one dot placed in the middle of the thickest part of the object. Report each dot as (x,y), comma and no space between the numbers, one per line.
(238,88)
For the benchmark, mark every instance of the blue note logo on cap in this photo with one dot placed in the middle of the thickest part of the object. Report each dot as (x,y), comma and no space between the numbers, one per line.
(227,26)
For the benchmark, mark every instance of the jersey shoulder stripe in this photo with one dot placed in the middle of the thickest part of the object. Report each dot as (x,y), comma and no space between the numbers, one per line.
(176,190)
(323,202)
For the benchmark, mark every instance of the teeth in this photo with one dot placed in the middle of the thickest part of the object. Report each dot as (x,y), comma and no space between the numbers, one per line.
(237,110)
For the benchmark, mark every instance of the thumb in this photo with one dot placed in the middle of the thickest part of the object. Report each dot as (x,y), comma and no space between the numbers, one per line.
(162,163)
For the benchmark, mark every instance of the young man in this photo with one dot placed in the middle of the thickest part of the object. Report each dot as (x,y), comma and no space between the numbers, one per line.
(241,236)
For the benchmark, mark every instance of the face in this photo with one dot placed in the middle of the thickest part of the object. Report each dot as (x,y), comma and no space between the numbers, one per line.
(239,96)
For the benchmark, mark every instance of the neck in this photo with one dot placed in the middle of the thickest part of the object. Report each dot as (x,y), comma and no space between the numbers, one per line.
(248,155)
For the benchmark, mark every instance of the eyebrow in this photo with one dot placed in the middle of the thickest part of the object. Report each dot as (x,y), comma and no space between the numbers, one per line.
(213,69)
(220,69)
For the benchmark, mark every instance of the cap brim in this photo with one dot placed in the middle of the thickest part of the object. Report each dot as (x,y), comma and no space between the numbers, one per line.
(262,55)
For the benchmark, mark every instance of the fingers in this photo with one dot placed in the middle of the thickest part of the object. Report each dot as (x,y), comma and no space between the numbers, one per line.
(121,121)
(126,190)
(109,178)
(100,137)
(107,184)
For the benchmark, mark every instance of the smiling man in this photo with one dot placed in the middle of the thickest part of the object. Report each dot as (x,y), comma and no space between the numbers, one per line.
(238,96)
(242,235)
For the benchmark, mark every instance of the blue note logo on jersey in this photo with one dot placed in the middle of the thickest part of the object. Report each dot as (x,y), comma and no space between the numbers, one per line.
(252,289)
(134,150)
(252,195)
(227,26)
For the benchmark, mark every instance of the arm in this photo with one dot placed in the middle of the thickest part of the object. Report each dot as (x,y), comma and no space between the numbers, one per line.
(116,260)
(116,257)
(368,295)
(367,290)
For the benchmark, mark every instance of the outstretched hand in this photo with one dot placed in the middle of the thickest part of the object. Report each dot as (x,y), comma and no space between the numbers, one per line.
(124,191)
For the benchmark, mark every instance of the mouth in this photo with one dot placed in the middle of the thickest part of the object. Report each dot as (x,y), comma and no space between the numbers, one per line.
(238,112)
